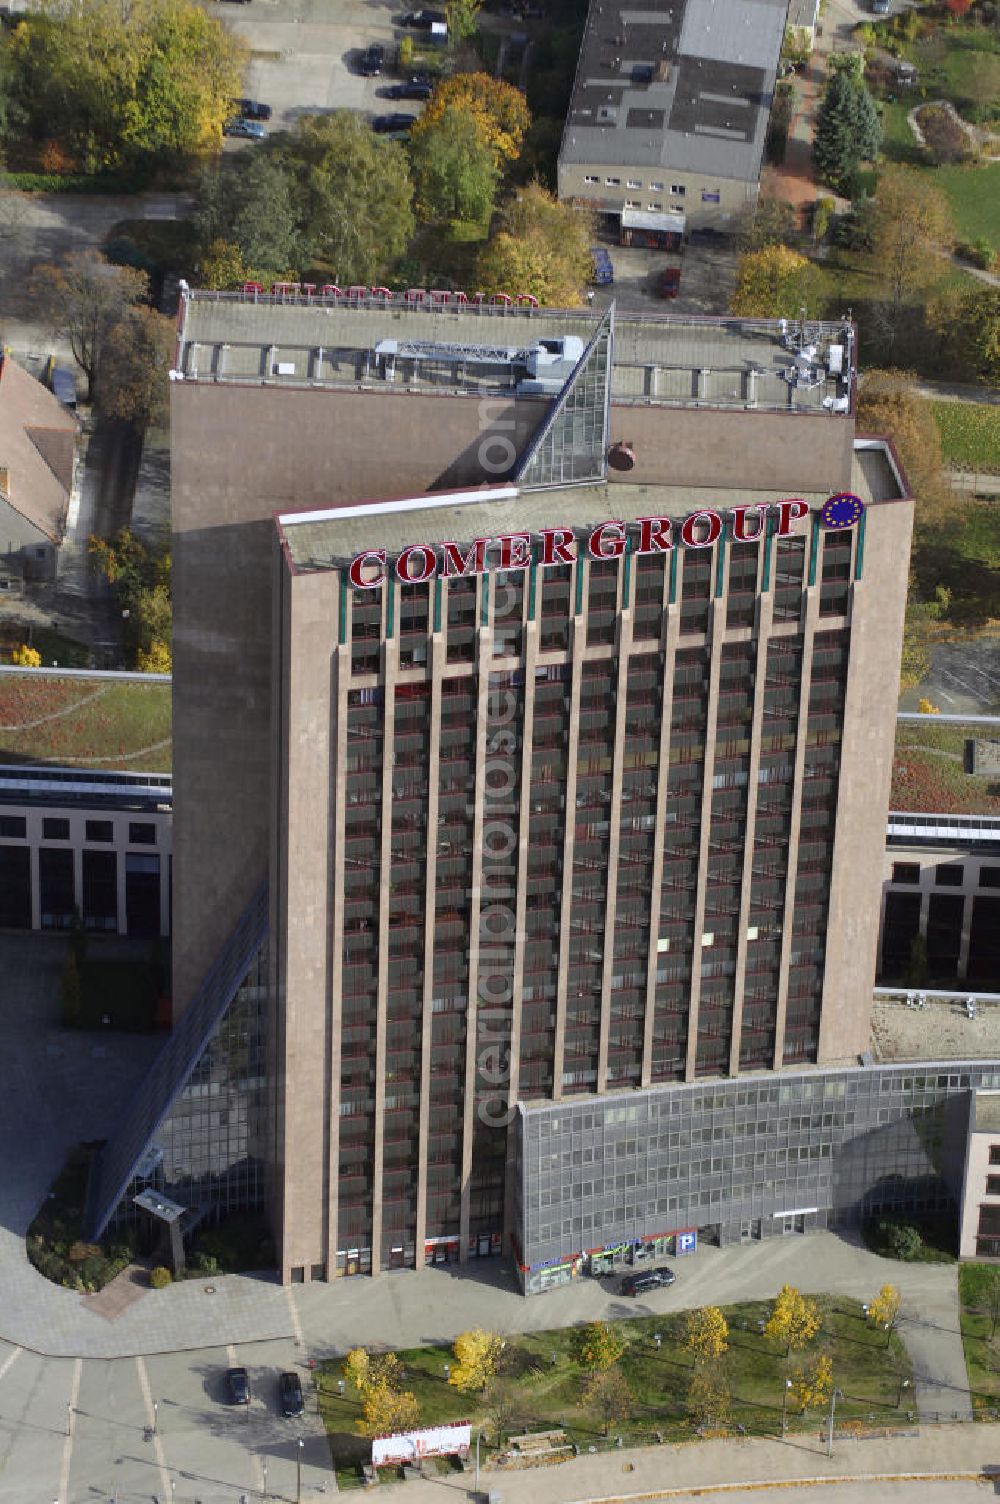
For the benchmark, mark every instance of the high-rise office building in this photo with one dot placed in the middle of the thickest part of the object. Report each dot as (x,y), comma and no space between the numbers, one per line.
(545,674)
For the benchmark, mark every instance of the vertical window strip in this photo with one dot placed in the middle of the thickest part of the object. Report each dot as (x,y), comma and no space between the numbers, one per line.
(720,562)
(390,609)
(344,597)
(771,524)
(437,604)
(627,576)
(532,582)
(814,548)
(579,586)
(484,615)
(859,548)
(673,576)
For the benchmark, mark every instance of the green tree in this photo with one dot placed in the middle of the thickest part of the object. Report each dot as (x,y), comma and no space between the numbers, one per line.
(477,1358)
(977,326)
(770,221)
(773,282)
(138,353)
(706,1333)
(608,1392)
(847,129)
(353,195)
(454,168)
(83,299)
(463,17)
(542,247)
(151,80)
(247,202)
(223,266)
(794,1319)
(597,1345)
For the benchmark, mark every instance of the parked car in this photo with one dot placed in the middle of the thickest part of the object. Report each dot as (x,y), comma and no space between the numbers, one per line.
(251,130)
(604,271)
(290,1389)
(670,281)
(880,7)
(649,1279)
(252,109)
(238,1386)
(371,61)
(422,20)
(389,125)
(413,88)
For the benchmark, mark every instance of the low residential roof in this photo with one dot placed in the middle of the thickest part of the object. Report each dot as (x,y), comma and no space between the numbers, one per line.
(37,442)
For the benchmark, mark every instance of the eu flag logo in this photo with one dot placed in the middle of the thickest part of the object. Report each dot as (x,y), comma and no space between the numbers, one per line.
(843,510)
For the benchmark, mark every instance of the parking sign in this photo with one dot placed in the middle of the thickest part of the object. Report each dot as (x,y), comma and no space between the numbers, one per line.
(687,1242)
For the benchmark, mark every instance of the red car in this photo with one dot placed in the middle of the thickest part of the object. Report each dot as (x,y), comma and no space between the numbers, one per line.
(670,281)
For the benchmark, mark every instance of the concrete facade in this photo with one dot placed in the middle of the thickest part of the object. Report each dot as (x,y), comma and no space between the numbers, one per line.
(979,1227)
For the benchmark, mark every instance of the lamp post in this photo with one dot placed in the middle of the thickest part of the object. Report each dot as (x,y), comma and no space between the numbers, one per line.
(784,1405)
(903,1384)
(658,1339)
(69,1417)
(478,1434)
(447,1372)
(340,1387)
(155,1412)
(836,1394)
(298,1472)
(264,1494)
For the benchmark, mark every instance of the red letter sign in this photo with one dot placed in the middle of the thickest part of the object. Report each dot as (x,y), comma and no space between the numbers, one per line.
(558,546)
(740,523)
(688,526)
(654,535)
(426,563)
(355,567)
(601,547)
(473,563)
(789,512)
(515,550)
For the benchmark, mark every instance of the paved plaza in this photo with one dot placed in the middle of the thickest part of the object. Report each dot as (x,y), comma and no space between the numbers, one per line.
(133,1408)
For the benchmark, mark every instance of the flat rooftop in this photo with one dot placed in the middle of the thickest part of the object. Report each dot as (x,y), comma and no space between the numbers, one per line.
(97,723)
(676,84)
(298,341)
(331,538)
(946,767)
(940,1030)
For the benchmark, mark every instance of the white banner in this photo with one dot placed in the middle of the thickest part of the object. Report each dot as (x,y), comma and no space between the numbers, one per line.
(435,1441)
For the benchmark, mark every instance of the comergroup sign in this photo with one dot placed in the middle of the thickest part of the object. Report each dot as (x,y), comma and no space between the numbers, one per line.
(608,540)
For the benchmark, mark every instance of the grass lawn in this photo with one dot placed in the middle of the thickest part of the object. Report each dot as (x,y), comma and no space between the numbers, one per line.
(92,722)
(928,771)
(970,434)
(982,1347)
(974,195)
(548,1383)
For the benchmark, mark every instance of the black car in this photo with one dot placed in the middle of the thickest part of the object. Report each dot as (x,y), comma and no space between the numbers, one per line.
(412,89)
(251,109)
(423,20)
(371,61)
(649,1279)
(390,125)
(291,1394)
(238,1386)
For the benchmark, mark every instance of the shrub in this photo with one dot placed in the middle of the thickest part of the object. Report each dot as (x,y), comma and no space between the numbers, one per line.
(895,1238)
(26,657)
(160,1277)
(977,252)
(944,138)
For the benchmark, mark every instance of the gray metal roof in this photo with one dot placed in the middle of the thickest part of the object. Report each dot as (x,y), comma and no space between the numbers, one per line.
(680,84)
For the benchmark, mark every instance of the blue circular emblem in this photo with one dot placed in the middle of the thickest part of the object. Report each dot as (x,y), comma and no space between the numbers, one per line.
(842,510)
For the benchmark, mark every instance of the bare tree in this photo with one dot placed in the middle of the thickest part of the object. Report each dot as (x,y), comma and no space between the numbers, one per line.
(83,299)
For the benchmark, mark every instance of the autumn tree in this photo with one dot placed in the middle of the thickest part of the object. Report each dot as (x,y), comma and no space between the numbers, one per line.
(25,657)
(967,323)
(888,404)
(223,266)
(542,247)
(913,227)
(156,659)
(708,1398)
(501,110)
(454,168)
(812,1384)
(608,1392)
(463,17)
(597,1345)
(794,1319)
(138,353)
(773,282)
(369,1371)
(83,299)
(385,1410)
(883,1311)
(847,129)
(352,193)
(477,1358)
(141,579)
(153,80)
(706,1333)
(770,221)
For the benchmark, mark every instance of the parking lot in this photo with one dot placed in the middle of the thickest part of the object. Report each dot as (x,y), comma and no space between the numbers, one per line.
(304,55)
(708,276)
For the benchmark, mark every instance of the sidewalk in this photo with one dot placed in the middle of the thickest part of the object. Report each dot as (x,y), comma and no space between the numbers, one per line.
(661,1472)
